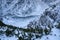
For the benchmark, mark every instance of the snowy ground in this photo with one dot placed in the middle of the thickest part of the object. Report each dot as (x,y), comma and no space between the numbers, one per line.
(30,21)
(54,35)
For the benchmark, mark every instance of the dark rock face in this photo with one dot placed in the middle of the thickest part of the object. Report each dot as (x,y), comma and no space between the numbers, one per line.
(2,24)
(58,26)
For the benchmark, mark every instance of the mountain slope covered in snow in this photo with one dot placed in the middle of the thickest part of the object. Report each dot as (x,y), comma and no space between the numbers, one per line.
(30,19)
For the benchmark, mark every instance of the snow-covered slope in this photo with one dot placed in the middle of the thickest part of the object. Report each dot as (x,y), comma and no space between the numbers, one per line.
(20,13)
(30,19)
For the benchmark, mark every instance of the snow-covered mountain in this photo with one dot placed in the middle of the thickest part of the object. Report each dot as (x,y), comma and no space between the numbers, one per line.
(21,12)
(24,18)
